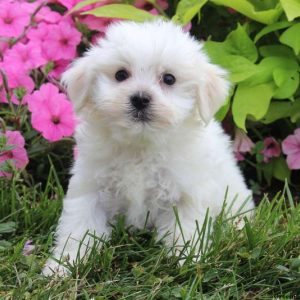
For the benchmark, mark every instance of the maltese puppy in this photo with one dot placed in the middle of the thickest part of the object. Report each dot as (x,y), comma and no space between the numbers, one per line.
(145,97)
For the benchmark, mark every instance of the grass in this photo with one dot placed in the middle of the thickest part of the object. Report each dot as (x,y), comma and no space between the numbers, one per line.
(260,261)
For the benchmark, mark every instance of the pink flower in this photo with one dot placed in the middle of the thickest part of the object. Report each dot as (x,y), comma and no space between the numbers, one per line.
(13,19)
(94,23)
(52,113)
(69,3)
(28,248)
(44,14)
(27,56)
(291,147)
(59,67)
(271,149)
(3,47)
(242,144)
(62,42)
(39,33)
(18,155)
(17,78)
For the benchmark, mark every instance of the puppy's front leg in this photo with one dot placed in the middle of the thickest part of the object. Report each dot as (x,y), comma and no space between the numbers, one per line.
(80,215)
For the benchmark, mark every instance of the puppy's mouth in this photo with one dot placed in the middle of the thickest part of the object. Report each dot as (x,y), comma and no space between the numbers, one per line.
(142,116)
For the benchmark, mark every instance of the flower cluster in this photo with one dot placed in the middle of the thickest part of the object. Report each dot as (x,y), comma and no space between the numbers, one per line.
(38,40)
(270,148)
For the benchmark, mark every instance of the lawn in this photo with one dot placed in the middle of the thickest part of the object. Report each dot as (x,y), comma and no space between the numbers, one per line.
(260,261)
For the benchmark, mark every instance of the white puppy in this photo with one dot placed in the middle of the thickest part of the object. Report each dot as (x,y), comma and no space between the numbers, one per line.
(145,97)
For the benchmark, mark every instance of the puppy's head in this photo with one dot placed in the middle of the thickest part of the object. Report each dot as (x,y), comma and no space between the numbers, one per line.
(150,75)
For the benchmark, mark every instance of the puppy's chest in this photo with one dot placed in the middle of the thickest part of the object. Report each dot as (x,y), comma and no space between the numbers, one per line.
(138,184)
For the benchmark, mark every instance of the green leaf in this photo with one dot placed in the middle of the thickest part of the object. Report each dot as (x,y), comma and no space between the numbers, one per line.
(222,112)
(268,65)
(187,9)
(239,43)
(291,8)
(288,87)
(279,110)
(120,11)
(291,37)
(82,4)
(276,50)
(246,8)
(7,227)
(239,67)
(272,28)
(280,169)
(251,100)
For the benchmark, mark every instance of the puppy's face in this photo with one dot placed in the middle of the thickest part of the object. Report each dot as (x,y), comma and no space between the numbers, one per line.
(150,75)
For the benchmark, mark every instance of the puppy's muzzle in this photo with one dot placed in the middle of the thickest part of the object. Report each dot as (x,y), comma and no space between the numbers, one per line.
(140,101)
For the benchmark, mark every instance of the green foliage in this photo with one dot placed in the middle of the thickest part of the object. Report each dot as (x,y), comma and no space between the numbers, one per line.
(187,9)
(120,11)
(266,12)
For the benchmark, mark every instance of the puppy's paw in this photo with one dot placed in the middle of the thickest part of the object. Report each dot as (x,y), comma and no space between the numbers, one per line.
(53,268)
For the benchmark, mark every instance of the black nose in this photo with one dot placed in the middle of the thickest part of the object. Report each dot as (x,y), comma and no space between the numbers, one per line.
(140,101)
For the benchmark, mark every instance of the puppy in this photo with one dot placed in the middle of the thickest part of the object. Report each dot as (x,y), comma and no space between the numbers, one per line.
(145,98)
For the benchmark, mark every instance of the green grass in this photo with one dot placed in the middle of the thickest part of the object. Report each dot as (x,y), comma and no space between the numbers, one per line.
(261,261)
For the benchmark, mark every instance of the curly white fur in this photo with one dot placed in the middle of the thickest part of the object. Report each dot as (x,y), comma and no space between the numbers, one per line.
(129,167)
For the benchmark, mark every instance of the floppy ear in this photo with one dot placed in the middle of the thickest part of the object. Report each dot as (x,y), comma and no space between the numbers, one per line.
(77,82)
(213,90)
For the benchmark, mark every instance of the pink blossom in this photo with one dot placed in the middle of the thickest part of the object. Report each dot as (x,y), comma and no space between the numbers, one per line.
(69,3)
(291,147)
(17,78)
(38,34)
(242,144)
(271,148)
(13,19)
(59,67)
(44,13)
(52,113)
(27,56)
(94,23)
(3,47)
(28,248)
(62,42)
(18,155)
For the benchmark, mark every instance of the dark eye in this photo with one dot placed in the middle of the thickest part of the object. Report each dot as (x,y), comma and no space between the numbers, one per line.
(169,79)
(121,75)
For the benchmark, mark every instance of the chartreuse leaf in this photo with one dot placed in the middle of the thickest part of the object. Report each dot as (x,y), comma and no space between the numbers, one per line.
(251,100)
(280,169)
(289,84)
(120,11)
(291,37)
(266,68)
(239,67)
(276,50)
(279,110)
(272,28)
(187,9)
(82,4)
(291,8)
(246,8)
(239,43)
